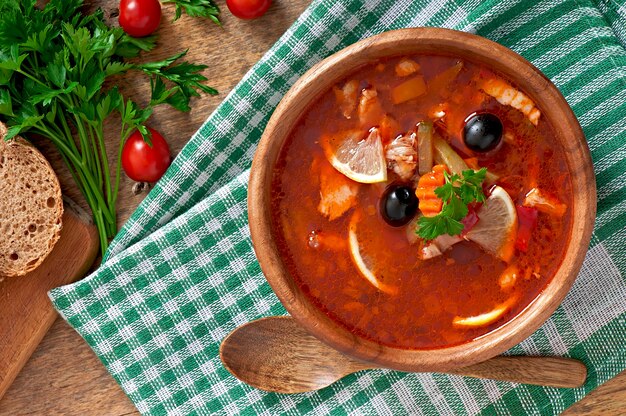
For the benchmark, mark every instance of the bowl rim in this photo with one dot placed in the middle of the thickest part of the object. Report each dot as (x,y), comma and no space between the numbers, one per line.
(448,42)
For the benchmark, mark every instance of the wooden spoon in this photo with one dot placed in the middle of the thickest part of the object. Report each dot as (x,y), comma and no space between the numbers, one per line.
(276,354)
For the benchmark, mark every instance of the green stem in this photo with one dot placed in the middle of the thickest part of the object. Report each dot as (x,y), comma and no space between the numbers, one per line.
(107,179)
(99,221)
(84,145)
(84,174)
(67,131)
(100,199)
(101,225)
(84,183)
(99,214)
(96,158)
(118,171)
(59,143)
(102,232)
(105,165)
(118,166)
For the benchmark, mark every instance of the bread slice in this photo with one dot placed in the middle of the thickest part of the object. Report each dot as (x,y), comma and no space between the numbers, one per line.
(31,207)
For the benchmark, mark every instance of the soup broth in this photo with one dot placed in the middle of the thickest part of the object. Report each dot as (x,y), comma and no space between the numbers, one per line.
(385,282)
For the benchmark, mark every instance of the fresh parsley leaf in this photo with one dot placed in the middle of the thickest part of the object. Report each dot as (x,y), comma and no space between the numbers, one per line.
(456,193)
(6,106)
(184,77)
(431,227)
(471,188)
(455,208)
(56,74)
(446,191)
(13,63)
(196,8)
(129,47)
(114,68)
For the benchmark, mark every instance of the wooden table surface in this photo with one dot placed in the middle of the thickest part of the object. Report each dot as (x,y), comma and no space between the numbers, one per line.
(64,376)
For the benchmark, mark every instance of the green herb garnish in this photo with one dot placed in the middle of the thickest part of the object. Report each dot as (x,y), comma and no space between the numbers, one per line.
(196,8)
(457,193)
(58,71)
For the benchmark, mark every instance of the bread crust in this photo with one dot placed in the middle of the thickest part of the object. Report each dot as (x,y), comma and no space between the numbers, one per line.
(31,207)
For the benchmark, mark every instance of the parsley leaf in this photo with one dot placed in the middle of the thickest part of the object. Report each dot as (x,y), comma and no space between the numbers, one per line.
(455,208)
(438,225)
(471,189)
(196,8)
(456,193)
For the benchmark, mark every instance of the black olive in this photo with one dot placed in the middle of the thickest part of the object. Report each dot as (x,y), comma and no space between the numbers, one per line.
(482,132)
(398,204)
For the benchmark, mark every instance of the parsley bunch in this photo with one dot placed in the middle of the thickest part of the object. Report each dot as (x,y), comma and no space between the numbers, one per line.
(57,80)
(456,193)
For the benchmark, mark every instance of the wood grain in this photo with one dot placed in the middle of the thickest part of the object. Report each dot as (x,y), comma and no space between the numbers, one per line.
(541,371)
(276,354)
(25,310)
(63,376)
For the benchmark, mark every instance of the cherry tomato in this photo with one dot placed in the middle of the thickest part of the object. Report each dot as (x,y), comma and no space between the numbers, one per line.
(140,18)
(143,163)
(248,9)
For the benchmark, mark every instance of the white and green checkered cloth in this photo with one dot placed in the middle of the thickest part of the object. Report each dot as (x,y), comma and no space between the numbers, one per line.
(182,274)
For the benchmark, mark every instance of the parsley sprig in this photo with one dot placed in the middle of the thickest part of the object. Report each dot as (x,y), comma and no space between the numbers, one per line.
(196,8)
(456,193)
(58,71)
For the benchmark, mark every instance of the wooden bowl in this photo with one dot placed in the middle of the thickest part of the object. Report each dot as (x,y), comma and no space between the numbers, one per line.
(321,78)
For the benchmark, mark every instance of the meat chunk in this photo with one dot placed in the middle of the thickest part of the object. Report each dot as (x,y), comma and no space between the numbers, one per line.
(401,155)
(337,192)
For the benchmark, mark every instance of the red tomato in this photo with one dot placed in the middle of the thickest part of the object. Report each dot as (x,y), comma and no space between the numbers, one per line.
(248,9)
(143,163)
(140,18)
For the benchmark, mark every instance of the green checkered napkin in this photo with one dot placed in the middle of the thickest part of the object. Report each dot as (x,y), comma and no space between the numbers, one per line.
(182,274)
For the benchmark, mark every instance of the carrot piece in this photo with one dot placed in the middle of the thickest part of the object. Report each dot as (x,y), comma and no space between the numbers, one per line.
(408,90)
(429,203)
(430,208)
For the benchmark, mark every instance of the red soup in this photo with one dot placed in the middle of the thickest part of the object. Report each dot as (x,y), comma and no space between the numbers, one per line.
(422,202)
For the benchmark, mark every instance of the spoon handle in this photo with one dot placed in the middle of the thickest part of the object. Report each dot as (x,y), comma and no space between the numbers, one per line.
(542,371)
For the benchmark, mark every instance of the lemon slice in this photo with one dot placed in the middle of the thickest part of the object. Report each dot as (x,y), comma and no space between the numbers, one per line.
(484,318)
(360,159)
(363,263)
(496,230)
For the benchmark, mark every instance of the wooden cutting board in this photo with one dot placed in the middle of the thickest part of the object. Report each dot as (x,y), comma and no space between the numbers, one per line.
(26,313)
